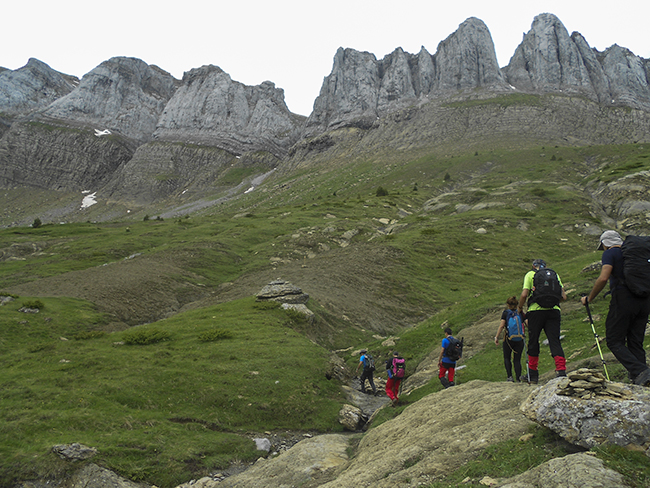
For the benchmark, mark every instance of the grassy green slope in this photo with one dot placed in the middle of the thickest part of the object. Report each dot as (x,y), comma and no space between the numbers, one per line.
(173,410)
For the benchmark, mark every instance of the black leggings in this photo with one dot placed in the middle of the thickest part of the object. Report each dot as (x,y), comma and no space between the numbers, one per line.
(625,328)
(514,349)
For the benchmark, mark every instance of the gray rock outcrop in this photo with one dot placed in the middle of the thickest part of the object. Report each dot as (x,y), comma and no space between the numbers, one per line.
(418,443)
(204,129)
(74,451)
(159,170)
(282,291)
(52,157)
(550,61)
(467,60)
(623,420)
(573,471)
(125,95)
(306,460)
(624,199)
(32,87)
(58,148)
(93,476)
(351,417)
(211,109)
(360,88)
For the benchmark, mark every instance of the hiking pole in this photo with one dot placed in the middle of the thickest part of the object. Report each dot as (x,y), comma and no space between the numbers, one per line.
(593,328)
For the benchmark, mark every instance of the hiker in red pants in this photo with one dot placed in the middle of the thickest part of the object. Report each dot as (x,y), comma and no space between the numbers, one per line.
(544,291)
(395,369)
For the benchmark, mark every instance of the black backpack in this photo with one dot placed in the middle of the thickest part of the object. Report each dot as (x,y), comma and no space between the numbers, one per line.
(547,291)
(454,350)
(636,265)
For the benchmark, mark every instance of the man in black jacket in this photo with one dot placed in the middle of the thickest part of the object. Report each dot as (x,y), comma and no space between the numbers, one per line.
(628,314)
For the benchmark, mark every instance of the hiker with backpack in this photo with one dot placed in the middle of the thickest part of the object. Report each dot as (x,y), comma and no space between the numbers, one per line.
(544,291)
(368,363)
(626,265)
(512,323)
(450,352)
(395,370)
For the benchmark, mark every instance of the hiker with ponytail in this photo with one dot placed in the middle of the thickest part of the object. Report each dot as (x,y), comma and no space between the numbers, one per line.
(512,322)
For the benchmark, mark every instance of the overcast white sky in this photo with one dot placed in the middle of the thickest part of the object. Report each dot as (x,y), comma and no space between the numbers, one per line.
(289,42)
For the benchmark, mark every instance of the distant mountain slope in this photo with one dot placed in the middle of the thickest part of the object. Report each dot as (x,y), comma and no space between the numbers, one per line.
(138,137)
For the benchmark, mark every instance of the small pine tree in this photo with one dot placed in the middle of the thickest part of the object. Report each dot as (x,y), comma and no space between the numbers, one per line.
(382,192)
(37,223)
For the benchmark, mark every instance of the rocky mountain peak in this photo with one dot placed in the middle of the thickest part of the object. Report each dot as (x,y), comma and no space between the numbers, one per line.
(550,61)
(361,88)
(32,87)
(107,95)
(467,59)
(210,108)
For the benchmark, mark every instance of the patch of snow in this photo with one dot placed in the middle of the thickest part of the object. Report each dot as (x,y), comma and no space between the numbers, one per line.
(250,189)
(88,200)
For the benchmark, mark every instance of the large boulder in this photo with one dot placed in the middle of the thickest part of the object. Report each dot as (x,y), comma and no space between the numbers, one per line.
(589,416)
(282,291)
(305,461)
(436,435)
(351,417)
(74,451)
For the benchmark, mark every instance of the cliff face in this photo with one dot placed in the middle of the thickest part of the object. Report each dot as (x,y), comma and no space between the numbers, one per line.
(132,132)
(360,88)
(124,95)
(467,60)
(212,109)
(36,154)
(32,87)
(550,61)
(56,148)
(208,121)
(160,170)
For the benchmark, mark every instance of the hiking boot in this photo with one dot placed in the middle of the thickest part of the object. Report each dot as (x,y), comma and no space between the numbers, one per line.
(452,383)
(560,372)
(643,379)
(510,379)
(395,401)
(445,382)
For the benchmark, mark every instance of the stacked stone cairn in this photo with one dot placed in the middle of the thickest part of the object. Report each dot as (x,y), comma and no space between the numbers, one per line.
(588,384)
